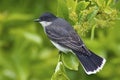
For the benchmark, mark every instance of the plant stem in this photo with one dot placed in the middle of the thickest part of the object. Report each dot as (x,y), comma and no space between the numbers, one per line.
(75,4)
(92,32)
(60,56)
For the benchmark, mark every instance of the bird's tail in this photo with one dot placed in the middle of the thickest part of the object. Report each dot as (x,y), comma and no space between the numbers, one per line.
(91,63)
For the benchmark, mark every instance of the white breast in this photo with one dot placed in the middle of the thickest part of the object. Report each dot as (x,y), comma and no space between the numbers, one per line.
(60,47)
(45,23)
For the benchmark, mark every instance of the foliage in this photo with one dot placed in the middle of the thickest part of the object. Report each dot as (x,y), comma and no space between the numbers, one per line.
(27,54)
(85,15)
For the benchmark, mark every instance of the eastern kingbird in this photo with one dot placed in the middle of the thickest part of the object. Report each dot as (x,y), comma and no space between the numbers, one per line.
(65,38)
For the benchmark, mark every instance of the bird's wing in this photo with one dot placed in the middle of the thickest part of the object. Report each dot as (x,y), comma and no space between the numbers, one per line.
(68,39)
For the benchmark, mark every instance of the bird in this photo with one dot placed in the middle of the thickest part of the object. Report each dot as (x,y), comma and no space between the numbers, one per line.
(63,36)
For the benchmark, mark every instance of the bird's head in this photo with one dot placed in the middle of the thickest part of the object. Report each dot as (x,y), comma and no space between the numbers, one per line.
(46,19)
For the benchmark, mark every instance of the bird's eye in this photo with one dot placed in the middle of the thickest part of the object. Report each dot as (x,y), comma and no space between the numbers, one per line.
(42,18)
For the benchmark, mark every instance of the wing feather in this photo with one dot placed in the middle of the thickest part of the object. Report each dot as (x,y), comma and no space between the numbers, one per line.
(68,39)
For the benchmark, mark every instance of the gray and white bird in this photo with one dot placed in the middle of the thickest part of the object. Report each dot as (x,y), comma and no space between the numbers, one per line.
(65,39)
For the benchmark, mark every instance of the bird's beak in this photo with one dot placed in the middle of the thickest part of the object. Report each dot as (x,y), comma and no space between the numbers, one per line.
(37,20)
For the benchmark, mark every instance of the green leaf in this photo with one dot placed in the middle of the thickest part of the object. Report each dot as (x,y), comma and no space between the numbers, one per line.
(101,3)
(59,72)
(108,10)
(81,6)
(32,37)
(92,14)
(71,4)
(70,61)
(109,2)
(62,9)
(81,18)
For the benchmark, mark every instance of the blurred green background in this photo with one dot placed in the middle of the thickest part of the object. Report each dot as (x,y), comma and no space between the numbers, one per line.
(27,54)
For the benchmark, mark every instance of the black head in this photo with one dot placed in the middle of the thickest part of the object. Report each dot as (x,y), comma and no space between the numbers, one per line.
(46,17)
